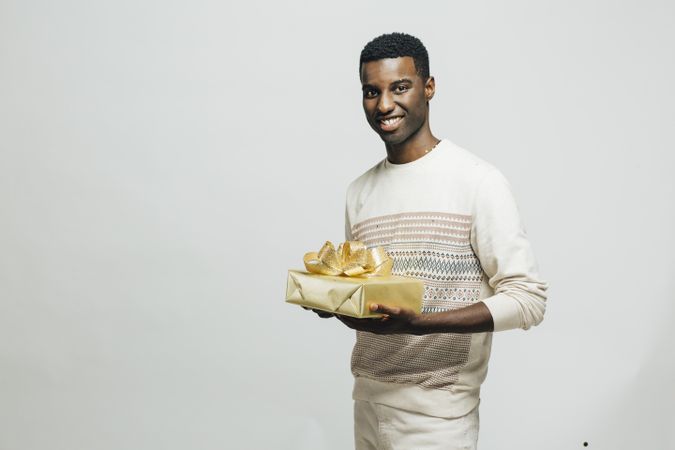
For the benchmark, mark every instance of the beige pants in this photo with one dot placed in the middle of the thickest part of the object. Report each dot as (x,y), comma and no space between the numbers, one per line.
(380,427)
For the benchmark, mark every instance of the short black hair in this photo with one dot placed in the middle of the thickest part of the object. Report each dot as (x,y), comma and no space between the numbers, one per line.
(394,45)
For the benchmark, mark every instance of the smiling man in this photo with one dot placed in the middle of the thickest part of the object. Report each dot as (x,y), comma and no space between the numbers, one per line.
(448,218)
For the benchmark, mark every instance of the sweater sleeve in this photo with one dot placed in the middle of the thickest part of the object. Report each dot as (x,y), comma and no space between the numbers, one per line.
(348,225)
(500,242)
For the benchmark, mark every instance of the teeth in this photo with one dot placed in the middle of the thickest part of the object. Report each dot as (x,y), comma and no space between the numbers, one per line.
(391,121)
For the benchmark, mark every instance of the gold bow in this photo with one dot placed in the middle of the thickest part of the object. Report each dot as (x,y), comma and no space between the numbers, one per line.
(352,258)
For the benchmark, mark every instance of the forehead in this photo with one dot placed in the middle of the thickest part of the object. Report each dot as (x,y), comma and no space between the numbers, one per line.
(385,71)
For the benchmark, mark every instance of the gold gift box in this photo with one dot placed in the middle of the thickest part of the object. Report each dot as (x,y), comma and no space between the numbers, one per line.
(352,296)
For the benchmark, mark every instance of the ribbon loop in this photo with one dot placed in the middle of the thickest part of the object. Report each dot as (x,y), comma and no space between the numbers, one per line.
(351,259)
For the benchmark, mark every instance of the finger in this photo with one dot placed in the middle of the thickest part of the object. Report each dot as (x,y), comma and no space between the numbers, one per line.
(347,323)
(354,323)
(373,325)
(322,314)
(346,319)
(384,309)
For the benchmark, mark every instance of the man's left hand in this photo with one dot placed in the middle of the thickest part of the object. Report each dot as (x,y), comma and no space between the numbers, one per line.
(395,321)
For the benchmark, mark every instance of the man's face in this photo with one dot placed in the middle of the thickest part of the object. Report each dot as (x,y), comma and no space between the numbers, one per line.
(395,97)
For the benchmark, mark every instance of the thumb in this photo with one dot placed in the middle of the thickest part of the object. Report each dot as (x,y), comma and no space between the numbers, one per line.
(394,311)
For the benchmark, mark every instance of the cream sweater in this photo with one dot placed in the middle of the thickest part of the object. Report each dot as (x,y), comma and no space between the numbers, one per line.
(448,218)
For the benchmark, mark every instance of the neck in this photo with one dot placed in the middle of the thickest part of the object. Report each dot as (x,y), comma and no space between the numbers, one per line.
(416,146)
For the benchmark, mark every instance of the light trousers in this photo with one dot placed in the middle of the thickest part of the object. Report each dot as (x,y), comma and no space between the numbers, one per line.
(381,427)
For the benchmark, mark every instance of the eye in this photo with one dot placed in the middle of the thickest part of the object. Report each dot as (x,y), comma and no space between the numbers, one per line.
(369,93)
(401,88)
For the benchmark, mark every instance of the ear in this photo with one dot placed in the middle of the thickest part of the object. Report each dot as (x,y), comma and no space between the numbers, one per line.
(429,88)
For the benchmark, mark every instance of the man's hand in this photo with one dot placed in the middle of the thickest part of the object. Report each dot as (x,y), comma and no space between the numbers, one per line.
(322,314)
(395,321)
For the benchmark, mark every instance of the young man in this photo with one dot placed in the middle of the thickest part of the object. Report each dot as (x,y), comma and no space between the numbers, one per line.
(448,218)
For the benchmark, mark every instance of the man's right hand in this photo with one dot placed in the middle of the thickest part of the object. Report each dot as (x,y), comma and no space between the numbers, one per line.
(322,314)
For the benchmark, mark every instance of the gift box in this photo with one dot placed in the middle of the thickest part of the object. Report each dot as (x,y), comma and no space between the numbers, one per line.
(348,280)
(350,296)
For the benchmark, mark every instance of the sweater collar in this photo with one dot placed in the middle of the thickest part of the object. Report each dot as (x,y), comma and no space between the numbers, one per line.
(422,161)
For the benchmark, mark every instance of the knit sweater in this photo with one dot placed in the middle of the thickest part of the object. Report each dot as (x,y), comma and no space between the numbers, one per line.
(449,219)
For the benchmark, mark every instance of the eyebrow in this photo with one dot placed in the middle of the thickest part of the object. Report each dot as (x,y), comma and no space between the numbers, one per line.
(402,80)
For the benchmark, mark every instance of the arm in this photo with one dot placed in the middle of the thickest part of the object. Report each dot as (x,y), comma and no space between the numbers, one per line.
(472,319)
(499,239)
(500,243)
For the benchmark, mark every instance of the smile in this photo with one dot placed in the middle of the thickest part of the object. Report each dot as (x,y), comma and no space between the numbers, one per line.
(390,123)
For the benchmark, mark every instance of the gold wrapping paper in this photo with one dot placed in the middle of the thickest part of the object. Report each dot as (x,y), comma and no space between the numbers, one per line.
(351,296)
(352,258)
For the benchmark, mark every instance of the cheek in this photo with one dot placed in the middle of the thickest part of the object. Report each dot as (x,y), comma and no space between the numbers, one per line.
(418,108)
(368,108)
(412,116)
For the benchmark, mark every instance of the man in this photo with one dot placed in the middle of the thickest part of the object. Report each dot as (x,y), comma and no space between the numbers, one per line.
(448,218)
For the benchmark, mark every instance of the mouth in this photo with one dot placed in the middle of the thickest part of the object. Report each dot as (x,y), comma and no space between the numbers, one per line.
(390,123)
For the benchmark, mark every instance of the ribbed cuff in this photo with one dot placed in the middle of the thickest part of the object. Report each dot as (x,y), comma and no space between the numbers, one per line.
(505,312)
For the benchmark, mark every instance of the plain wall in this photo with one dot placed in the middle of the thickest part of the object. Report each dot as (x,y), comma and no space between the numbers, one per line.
(162,164)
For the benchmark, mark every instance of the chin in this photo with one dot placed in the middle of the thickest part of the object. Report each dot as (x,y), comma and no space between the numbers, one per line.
(393,138)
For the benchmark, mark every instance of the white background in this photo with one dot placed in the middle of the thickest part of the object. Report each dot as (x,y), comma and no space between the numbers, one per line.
(162,164)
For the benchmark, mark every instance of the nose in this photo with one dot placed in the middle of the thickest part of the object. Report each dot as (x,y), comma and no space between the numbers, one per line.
(385,103)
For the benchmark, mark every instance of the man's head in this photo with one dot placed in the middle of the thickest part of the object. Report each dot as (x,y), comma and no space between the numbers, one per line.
(395,45)
(394,72)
